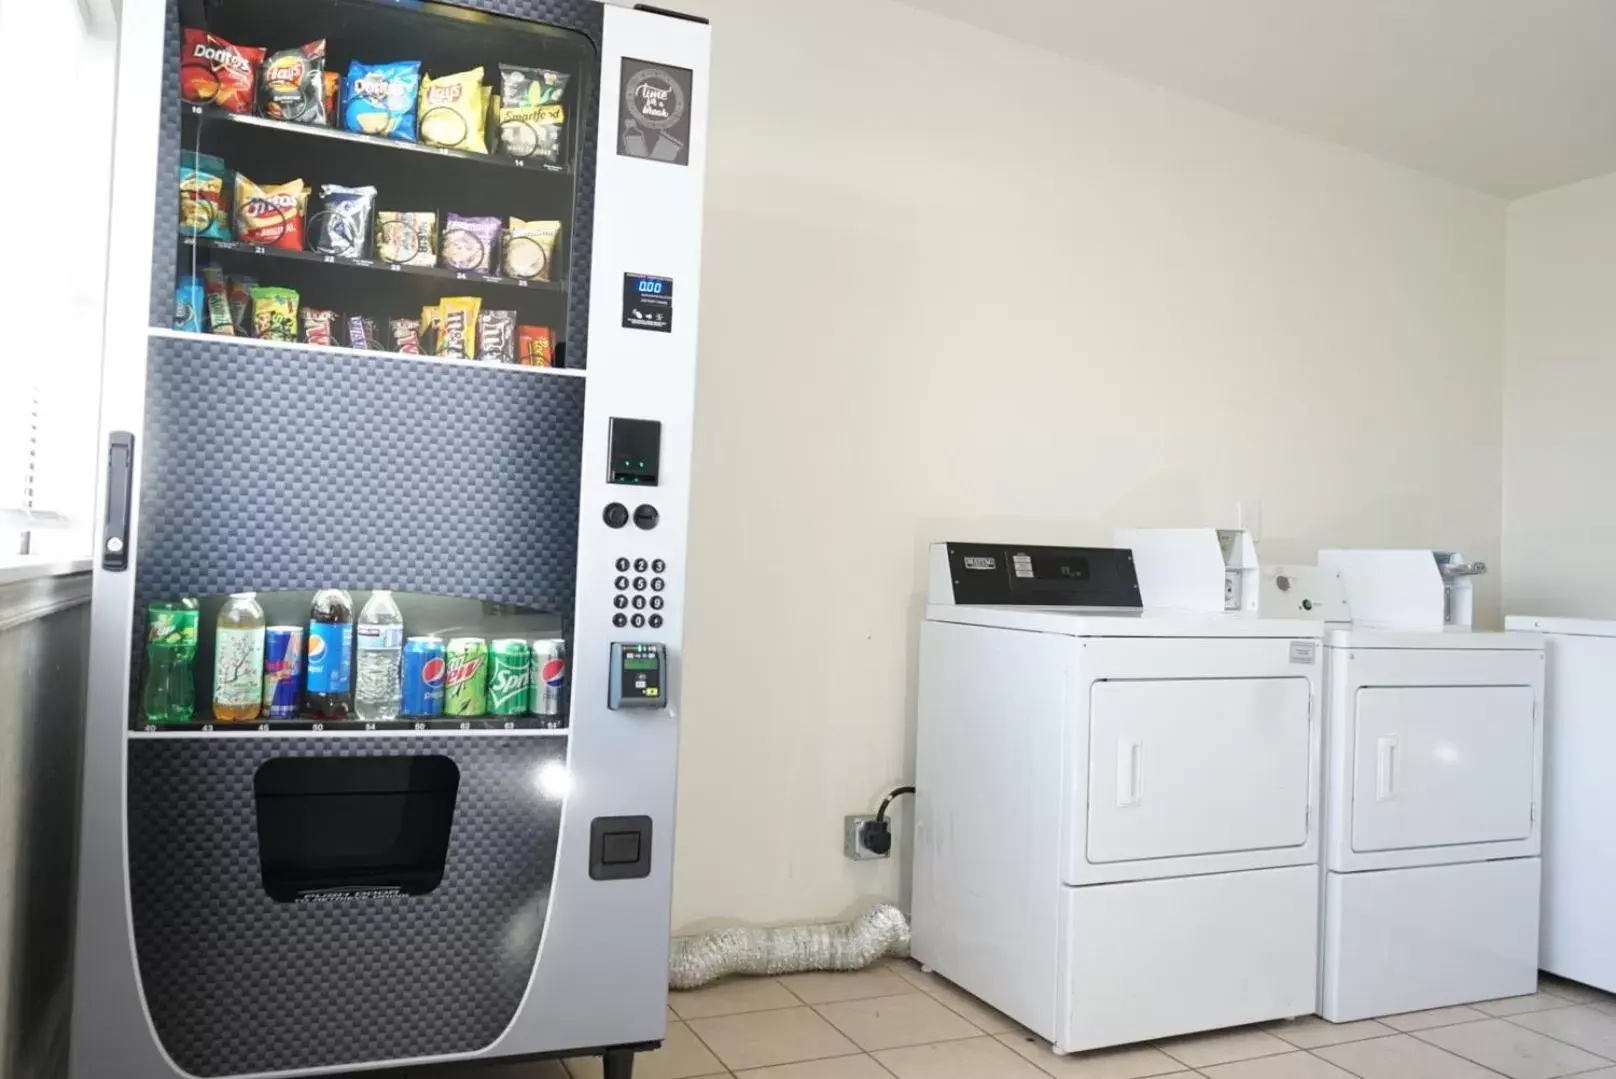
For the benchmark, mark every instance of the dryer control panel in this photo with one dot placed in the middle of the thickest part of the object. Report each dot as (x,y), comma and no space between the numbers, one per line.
(998,575)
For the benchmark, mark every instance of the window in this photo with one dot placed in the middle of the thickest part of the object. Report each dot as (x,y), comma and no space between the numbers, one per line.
(50,362)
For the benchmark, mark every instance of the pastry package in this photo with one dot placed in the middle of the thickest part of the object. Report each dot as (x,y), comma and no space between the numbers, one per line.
(469,243)
(529,249)
(407,237)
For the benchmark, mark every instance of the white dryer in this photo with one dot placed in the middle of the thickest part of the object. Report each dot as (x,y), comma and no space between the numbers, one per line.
(1578,938)
(1433,779)
(1116,810)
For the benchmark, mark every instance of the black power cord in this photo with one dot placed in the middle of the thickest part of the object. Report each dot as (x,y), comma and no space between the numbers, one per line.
(878,832)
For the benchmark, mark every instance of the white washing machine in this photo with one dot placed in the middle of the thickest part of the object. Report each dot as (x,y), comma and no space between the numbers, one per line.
(1433,779)
(1578,938)
(1116,818)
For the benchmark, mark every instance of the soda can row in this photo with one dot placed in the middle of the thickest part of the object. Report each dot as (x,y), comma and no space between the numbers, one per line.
(468,676)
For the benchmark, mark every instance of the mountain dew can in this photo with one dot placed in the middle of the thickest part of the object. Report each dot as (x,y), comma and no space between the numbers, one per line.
(509,677)
(465,685)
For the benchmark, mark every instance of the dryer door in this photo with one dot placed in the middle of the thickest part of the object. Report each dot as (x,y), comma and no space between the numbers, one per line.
(1437,766)
(1195,766)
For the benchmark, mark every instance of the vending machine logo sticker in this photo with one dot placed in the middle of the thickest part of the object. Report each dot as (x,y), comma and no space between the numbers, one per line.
(656,112)
(647,303)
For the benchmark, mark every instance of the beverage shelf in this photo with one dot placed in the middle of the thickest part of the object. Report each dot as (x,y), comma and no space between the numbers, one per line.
(439,272)
(213,115)
(546,724)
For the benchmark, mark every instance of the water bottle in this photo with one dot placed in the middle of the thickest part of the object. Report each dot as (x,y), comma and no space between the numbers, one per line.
(381,650)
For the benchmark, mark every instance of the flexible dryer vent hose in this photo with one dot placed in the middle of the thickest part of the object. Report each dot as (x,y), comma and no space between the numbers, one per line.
(879,931)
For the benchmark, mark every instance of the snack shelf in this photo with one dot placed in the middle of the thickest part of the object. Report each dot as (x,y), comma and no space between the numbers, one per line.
(442,273)
(554,726)
(343,351)
(211,115)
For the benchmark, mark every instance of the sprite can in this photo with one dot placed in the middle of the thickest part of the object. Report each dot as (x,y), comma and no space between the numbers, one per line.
(465,684)
(508,677)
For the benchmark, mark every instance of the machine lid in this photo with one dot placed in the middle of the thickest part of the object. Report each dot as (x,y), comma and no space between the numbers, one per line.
(1008,575)
(1569,627)
(1450,638)
(1088,622)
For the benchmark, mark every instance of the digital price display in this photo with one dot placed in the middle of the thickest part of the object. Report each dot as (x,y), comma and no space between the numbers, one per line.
(647,303)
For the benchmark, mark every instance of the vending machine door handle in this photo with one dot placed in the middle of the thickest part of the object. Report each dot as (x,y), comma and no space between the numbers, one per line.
(120,489)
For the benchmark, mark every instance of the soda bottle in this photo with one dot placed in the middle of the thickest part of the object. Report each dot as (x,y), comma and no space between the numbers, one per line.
(238,659)
(381,651)
(168,695)
(330,678)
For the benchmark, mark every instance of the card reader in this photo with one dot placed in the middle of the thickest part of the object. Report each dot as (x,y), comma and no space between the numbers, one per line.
(637,676)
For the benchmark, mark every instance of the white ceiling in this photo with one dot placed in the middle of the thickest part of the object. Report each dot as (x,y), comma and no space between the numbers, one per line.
(1506,96)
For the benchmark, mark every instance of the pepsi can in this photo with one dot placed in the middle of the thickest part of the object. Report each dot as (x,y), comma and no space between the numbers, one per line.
(549,681)
(424,666)
(283,671)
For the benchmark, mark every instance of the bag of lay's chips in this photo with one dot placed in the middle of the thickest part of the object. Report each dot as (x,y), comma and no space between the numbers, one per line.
(379,99)
(454,111)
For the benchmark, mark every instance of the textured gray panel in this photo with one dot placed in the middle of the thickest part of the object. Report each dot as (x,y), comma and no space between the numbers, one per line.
(270,468)
(588,17)
(237,983)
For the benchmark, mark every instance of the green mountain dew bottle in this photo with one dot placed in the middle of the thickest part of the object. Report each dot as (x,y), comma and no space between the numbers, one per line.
(169,693)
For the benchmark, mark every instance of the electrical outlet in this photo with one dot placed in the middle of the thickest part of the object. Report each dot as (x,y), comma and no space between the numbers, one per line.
(853,839)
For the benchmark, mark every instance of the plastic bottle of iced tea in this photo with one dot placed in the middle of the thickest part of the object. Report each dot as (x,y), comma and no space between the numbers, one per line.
(238,660)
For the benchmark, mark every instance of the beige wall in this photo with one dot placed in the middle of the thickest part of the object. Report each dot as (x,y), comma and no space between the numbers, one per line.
(956,287)
(1560,403)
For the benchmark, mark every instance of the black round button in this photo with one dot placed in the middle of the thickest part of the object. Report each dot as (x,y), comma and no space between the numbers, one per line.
(639,603)
(616,515)
(639,584)
(641,565)
(646,516)
(620,619)
(657,602)
(622,565)
(658,584)
(622,584)
(620,601)
(656,621)
(637,621)
(659,566)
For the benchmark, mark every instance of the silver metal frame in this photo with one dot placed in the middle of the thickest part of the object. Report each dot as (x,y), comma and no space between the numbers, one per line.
(601,975)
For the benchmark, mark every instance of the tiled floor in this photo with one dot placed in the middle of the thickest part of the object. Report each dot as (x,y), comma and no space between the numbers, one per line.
(894,1021)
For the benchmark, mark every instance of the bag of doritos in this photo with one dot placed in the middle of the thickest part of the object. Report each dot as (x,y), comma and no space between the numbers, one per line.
(213,71)
(379,99)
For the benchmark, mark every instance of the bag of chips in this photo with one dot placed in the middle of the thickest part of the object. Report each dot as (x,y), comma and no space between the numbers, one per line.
(535,346)
(241,304)
(212,70)
(469,243)
(189,298)
(319,326)
(496,336)
(529,249)
(216,296)
(333,91)
(407,238)
(203,210)
(274,313)
(342,226)
(406,334)
(294,84)
(380,99)
(271,215)
(454,111)
(457,333)
(530,114)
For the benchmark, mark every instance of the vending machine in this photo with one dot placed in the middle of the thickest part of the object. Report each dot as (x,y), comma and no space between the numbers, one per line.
(397,404)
